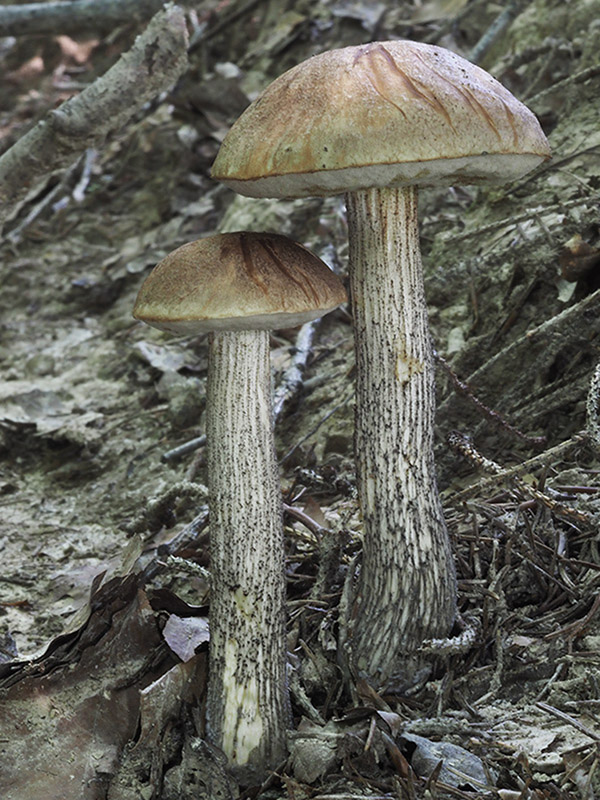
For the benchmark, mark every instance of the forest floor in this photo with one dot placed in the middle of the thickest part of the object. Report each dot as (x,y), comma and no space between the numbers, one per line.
(103,528)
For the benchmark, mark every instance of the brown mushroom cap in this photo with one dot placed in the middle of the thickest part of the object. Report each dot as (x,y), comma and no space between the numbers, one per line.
(237,281)
(382,114)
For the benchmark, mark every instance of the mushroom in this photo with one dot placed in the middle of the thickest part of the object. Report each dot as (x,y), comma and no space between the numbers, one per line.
(374,122)
(237,287)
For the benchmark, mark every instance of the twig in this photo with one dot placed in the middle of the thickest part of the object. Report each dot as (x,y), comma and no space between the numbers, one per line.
(74,16)
(461,444)
(569,720)
(300,696)
(344,631)
(590,436)
(352,796)
(513,61)
(555,164)
(312,432)
(496,29)
(553,678)
(307,521)
(471,632)
(510,222)
(579,77)
(155,61)
(225,21)
(292,377)
(183,449)
(538,345)
(78,192)
(184,539)
(15,234)
(48,199)
(574,629)
(494,416)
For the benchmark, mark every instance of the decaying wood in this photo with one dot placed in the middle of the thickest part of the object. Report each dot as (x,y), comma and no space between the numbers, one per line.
(157,58)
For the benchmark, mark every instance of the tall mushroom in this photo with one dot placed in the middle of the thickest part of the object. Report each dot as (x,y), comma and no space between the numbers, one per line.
(238,286)
(374,122)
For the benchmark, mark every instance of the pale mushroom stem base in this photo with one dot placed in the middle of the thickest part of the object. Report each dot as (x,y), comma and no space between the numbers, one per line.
(407,586)
(247,707)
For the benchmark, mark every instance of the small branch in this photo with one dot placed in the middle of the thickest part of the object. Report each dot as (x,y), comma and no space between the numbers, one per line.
(48,199)
(579,77)
(541,460)
(292,377)
(510,222)
(461,444)
(157,58)
(225,20)
(537,346)
(78,192)
(186,538)
(554,165)
(466,639)
(569,720)
(496,29)
(75,16)
(492,415)
(183,449)
(306,520)
(312,432)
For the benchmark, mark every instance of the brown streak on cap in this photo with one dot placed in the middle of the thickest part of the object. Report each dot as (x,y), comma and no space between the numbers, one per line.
(465,92)
(424,93)
(237,281)
(252,272)
(384,114)
(311,291)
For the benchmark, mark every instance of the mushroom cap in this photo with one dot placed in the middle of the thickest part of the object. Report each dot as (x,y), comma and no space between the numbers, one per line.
(237,281)
(381,114)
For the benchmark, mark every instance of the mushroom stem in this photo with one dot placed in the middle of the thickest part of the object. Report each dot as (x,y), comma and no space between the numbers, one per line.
(247,706)
(407,586)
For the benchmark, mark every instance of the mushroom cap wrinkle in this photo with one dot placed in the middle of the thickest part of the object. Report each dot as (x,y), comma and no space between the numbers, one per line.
(382,114)
(237,281)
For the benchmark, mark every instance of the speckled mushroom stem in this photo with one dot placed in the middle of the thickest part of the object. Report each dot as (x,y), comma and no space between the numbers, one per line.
(247,707)
(407,587)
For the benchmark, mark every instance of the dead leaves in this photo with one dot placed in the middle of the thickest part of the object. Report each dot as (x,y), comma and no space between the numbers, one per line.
(67,715)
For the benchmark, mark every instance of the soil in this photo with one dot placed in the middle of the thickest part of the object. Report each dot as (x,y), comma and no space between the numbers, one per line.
(92,404)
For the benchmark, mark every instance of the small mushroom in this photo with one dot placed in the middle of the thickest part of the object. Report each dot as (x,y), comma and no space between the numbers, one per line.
(374,122)
(237,287)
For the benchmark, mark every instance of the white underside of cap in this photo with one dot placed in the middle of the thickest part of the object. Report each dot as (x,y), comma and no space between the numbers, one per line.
(492,169)
(258,322)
